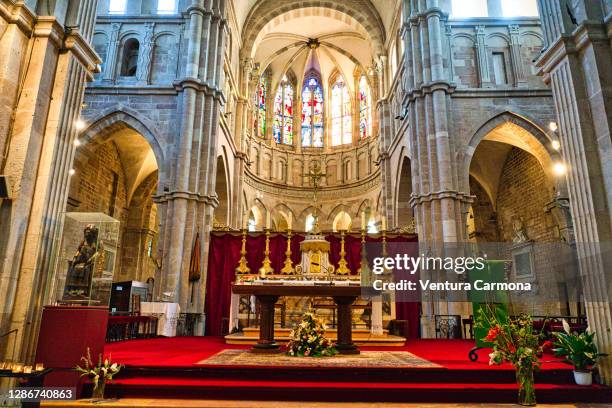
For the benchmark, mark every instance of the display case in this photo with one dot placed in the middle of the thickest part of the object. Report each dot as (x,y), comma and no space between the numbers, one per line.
(86,260)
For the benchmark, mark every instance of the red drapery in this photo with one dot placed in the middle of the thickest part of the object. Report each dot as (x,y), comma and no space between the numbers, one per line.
(224,255)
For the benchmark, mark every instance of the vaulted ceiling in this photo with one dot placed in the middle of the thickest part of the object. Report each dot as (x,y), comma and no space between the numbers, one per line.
(386,9)
(349,35)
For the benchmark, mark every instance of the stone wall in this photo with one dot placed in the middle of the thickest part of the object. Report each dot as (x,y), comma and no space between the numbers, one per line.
(98,184)
(524,193)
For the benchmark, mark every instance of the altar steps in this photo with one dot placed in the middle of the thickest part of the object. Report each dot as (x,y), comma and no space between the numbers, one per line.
(169,368)
(361,337)
(342,391)
(349,384)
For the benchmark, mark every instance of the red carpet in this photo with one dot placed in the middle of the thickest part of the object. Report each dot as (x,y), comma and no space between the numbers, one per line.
(166,367)
(187,351)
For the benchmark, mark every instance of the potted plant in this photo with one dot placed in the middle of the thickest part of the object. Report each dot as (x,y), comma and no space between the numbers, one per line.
(100,374)
(308,339)
(578,349)
(515,341)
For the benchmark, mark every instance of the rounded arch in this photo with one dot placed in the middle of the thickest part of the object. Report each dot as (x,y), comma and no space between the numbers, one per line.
(301,219)
(140,146)
(222,213)
(337,210)
(282,212)
(267,13)
(342,222)
(366,205)
(526,135)
(113,119)
(403,209)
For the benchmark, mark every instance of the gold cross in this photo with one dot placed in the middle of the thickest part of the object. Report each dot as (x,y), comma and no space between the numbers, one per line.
(315,174)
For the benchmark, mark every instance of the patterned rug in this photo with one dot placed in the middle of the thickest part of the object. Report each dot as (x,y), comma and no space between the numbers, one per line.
(378,359)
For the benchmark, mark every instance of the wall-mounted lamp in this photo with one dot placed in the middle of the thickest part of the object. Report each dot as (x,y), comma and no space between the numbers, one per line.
(79,124)
(559,169)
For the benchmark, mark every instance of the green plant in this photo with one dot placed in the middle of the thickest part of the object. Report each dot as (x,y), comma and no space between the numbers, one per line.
(101,373)
(514,340)
(578,349)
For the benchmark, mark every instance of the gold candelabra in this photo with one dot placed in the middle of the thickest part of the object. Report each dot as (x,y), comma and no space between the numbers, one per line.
(364,268)
(384,253)
(266,267)
(288,269)
(243,267)
(342,264)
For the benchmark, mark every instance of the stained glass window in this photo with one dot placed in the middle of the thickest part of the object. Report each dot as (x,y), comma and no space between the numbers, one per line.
(365,109)
(341,114)
(312,114)
(260,106)
(283,114)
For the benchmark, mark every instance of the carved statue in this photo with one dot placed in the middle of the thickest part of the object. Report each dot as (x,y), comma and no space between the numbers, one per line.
(520,234)
(81,267)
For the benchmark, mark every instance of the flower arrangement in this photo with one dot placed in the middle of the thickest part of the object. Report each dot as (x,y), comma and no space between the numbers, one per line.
(100,374)
(515,341)
(578,349)
(308,339)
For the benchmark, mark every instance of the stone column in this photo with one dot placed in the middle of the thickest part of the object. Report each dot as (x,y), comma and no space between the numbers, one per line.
(146,55)
(576,64)
(515,56)
(192,198)
(40,151)
(436,198)
(484,76)
(110,65)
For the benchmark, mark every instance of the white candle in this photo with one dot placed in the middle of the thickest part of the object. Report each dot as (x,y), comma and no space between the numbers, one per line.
(363,220)
(384,223)
(268,221)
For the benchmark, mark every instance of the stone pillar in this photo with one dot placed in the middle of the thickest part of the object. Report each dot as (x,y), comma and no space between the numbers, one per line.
(484,76)
(191,198)
(515,56)
(576,64)
(146,55)
(40,151)
(436,198)
(110,65)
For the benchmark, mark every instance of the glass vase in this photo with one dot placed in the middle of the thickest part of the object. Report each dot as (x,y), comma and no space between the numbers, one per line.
(98,392)
(526,386)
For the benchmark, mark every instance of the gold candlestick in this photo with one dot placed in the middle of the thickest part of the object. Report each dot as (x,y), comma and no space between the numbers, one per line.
(384,253)
(288,268)
(342,264)
(243,267)
(364,268)
(266,267)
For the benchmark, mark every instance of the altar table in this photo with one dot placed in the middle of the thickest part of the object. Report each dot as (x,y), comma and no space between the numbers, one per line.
(167,313)
(343,296)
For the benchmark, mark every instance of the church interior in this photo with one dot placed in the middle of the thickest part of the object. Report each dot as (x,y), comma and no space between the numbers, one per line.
(196,190)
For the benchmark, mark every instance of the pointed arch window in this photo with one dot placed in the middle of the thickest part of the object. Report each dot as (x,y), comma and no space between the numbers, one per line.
(341,114)
(312,113)
(260,107)
(365,109)
(283,113)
